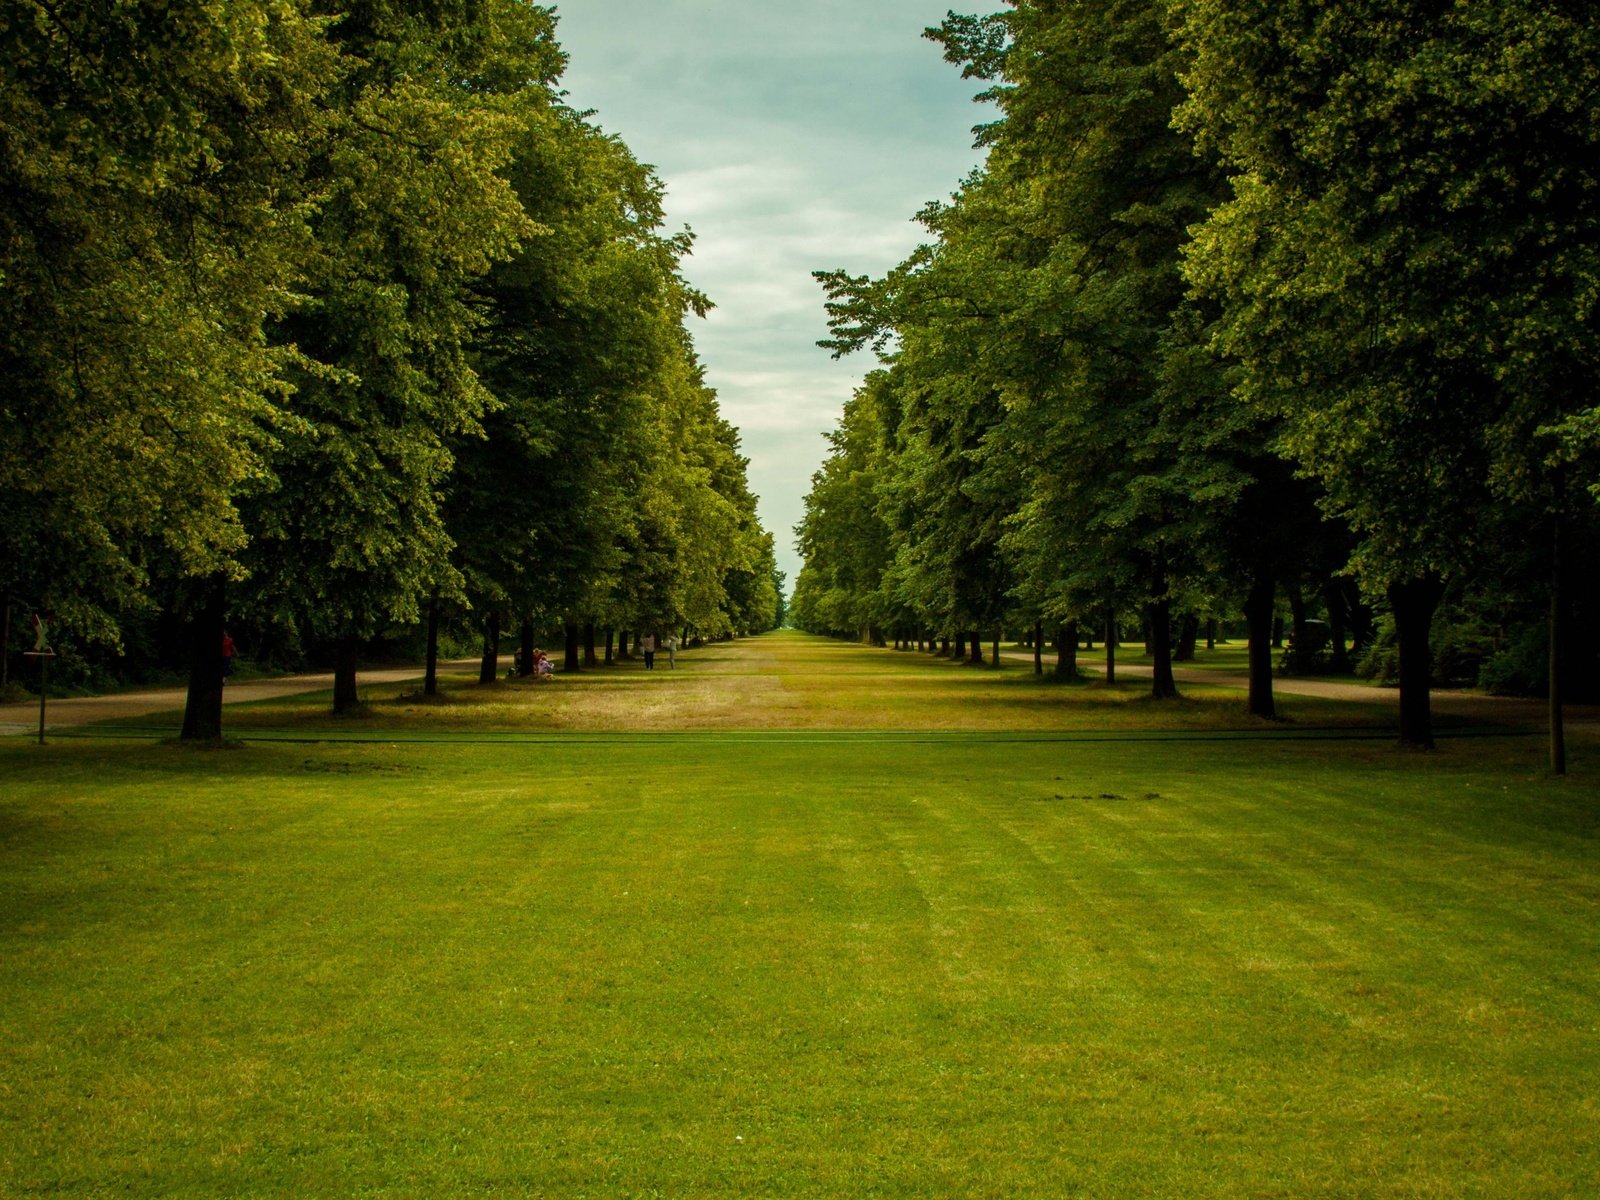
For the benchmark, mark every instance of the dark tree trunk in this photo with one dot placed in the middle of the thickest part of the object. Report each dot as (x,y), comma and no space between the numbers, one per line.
(489,668)
(1413,603)
(1338,654)
(1162,685)
(994,650)
(590,659)
(1277,633)
(525,654)
(1111,648)
(1358,616)
(960,646)
(1258,617)
(430,677)
(622,644)
(1067,651)
(572,660)
(1211,634)
(202,711)
(344,674)
(1038,647)
(610,638)
(1301,652)
(1188,635)
(975,648)
(1558,729)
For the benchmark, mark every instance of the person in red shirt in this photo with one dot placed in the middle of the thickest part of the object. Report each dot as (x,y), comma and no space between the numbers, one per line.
(229,651)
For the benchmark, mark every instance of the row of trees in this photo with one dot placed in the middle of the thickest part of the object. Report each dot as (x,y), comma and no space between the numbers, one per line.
(335,315)
(1250,300)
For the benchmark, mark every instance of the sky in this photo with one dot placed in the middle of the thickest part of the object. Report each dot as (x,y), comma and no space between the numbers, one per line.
(791,136)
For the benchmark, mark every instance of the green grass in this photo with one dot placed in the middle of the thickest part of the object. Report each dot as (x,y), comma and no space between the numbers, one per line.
(786,681)
(727,963)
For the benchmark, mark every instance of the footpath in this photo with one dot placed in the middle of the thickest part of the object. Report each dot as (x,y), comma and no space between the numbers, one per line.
(85,710)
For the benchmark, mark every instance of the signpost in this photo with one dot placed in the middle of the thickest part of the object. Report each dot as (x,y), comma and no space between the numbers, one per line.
(41,650)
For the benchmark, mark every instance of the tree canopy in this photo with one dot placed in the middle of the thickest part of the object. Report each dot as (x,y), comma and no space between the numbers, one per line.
(1247,299)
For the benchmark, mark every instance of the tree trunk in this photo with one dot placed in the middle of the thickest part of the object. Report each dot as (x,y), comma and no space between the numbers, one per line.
(1300,652)
(344,674)
(1357,615)
(202,711)
(610,637)
(1338,655)
(975,648)
(960,651)
(590,659)
(1038,647)
(1558,730)
(489,668)
(1067,651)
(571,661)
(1162,685)
(1258,607)
(525,654)
(1111,648)
(622,644)
(994,649)
(430,677)
(5,648)
(1211,634)
(1188,635)
(1413,603)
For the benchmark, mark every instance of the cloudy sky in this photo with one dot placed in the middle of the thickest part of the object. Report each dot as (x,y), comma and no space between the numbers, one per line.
(792,136)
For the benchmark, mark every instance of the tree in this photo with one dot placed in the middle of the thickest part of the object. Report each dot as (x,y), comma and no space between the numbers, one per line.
(152,216)
(349,537)
(1405,262)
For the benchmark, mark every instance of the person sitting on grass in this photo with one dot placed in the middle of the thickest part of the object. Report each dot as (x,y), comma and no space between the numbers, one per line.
(543,668)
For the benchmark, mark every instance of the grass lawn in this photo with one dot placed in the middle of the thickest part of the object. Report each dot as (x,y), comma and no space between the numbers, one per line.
(1060,956)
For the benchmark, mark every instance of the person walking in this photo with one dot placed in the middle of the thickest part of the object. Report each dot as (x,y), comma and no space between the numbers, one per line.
(647,643)
(672,651)
(229,653)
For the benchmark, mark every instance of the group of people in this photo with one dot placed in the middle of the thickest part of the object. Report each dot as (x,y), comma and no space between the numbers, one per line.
(647,643)
(542,668)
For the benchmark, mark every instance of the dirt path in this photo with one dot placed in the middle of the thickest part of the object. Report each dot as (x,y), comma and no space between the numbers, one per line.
(85,710)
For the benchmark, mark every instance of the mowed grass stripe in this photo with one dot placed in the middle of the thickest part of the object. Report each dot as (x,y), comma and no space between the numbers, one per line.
(891,967)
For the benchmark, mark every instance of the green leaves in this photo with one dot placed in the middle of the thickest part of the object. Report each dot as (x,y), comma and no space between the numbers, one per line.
(244,329)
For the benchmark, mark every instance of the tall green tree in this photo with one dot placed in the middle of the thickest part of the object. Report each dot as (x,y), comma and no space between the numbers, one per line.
(153,213)
(415,206)
(1408,263)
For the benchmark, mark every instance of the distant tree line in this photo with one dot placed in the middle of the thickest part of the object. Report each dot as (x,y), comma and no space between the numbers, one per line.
(334,320)
(1253,306)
